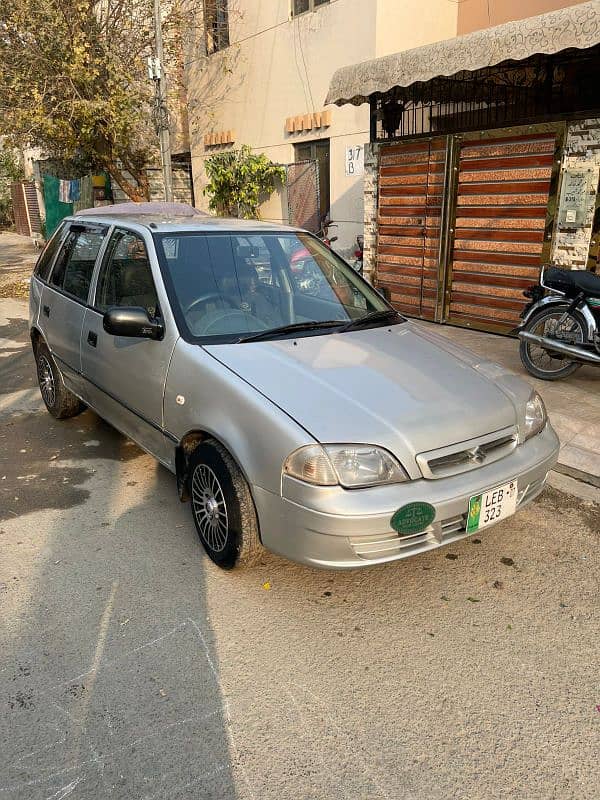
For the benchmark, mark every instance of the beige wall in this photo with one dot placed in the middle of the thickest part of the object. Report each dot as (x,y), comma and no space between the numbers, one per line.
(277,67)
(404,24)
(473,15)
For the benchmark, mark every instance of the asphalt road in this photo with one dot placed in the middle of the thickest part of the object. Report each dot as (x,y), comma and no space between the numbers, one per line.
(130,667)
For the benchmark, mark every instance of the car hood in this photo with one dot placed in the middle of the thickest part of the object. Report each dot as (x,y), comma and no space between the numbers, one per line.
(389,386)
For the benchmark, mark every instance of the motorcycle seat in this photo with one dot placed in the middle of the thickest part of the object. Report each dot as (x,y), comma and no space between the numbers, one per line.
(570,280)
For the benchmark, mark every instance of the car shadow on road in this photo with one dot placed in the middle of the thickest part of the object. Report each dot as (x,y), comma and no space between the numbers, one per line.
(109,676)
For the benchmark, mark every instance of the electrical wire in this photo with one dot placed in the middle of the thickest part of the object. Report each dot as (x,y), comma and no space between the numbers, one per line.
(299,71)
(259,33)
(261,147)
(306,70)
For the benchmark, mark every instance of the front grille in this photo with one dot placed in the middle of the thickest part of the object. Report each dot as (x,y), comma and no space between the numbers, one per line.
(391,545)
(454,525)
(464,456)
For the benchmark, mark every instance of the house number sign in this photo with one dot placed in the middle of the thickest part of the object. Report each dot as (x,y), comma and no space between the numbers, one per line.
(574,198)
(355,160)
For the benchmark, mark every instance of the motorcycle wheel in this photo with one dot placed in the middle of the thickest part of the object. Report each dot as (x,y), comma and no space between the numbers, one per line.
(552,322)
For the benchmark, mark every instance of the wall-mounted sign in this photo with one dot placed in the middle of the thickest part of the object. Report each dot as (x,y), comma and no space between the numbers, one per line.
(355,160)
(574,198)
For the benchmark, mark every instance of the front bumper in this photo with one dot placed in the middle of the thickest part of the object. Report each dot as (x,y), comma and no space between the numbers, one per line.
(334,528)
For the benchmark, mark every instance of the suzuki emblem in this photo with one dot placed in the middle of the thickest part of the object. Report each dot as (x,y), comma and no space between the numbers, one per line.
(477,455)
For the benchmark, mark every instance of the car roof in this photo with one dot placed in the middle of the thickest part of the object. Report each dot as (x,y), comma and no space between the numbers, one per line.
(172,218)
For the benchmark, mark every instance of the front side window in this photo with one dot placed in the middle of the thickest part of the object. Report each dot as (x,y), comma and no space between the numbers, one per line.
(224,287)
(216,25)
(75,262)
(125,278)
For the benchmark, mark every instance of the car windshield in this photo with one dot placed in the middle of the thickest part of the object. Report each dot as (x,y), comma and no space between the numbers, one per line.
(228,287)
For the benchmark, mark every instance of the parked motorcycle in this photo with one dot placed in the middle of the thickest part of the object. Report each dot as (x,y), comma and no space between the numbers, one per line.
(358,254)
(323,233)
(561,325)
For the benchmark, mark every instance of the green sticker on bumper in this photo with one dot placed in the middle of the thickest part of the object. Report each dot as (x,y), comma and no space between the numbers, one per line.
(474,513)
(413,518)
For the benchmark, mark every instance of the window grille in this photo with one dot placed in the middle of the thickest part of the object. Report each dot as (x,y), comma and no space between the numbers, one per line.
(301,6)
(539,89)
(216,25)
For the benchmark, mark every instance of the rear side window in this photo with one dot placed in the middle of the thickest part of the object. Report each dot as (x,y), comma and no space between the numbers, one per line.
(44,263)
(75,263)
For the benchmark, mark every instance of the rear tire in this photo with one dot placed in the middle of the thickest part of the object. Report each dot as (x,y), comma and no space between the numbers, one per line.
(539,362)
(222,507)
(60,402)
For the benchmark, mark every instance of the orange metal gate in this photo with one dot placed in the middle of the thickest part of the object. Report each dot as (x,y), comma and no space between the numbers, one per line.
(465,222)
(19,209)
(411,183)
(26,211)
(501,208)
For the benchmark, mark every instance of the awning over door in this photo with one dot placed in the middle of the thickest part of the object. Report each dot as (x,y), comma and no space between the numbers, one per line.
(573,27)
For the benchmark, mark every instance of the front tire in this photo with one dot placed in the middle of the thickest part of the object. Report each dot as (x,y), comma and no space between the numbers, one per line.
(59,401)
(540,362)
(222,507)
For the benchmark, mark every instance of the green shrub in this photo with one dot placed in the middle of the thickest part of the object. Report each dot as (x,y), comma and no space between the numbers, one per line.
(239,181)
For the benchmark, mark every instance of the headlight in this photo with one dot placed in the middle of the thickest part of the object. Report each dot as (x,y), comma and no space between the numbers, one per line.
(350,465)
(535,416)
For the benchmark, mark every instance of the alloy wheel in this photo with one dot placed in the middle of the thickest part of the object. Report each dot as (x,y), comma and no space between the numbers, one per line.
(46,381)
(209,507)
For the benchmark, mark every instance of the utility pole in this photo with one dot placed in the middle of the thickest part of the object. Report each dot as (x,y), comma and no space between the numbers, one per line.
(161,111)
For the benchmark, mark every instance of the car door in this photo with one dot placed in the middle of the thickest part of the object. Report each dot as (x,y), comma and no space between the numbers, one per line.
(65,296)
(125,376)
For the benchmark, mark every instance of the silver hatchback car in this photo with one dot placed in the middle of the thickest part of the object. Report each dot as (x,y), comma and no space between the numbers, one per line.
(298,410)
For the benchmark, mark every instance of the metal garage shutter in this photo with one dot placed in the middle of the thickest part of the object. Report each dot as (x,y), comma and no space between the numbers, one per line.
(411,185)
(501,209)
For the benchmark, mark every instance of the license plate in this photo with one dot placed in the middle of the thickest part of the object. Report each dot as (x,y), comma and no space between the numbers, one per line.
(489,507)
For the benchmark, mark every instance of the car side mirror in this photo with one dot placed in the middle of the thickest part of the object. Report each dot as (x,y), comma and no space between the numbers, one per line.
(384,291)
(132,321)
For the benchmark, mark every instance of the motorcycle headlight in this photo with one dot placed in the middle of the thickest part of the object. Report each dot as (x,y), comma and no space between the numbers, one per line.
(352,466)
(535,416)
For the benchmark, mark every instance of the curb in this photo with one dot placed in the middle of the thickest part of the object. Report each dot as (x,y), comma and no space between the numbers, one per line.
(578,475)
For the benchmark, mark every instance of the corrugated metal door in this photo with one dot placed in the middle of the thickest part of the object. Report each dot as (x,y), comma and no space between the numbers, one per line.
(33,208)
(19,209)
(411,186)
(503,189)
(26,210)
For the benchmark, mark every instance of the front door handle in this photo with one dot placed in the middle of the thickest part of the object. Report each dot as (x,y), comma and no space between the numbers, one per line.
(46,310)
(92,338)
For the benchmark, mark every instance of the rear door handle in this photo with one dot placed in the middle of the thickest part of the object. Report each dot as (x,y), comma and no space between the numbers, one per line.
(92,338)
(46,310)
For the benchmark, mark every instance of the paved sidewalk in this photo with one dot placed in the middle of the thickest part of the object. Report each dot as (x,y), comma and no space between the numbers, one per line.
(573,404)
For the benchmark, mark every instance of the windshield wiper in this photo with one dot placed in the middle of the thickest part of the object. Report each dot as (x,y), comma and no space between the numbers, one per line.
(294,326)
(374,316)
